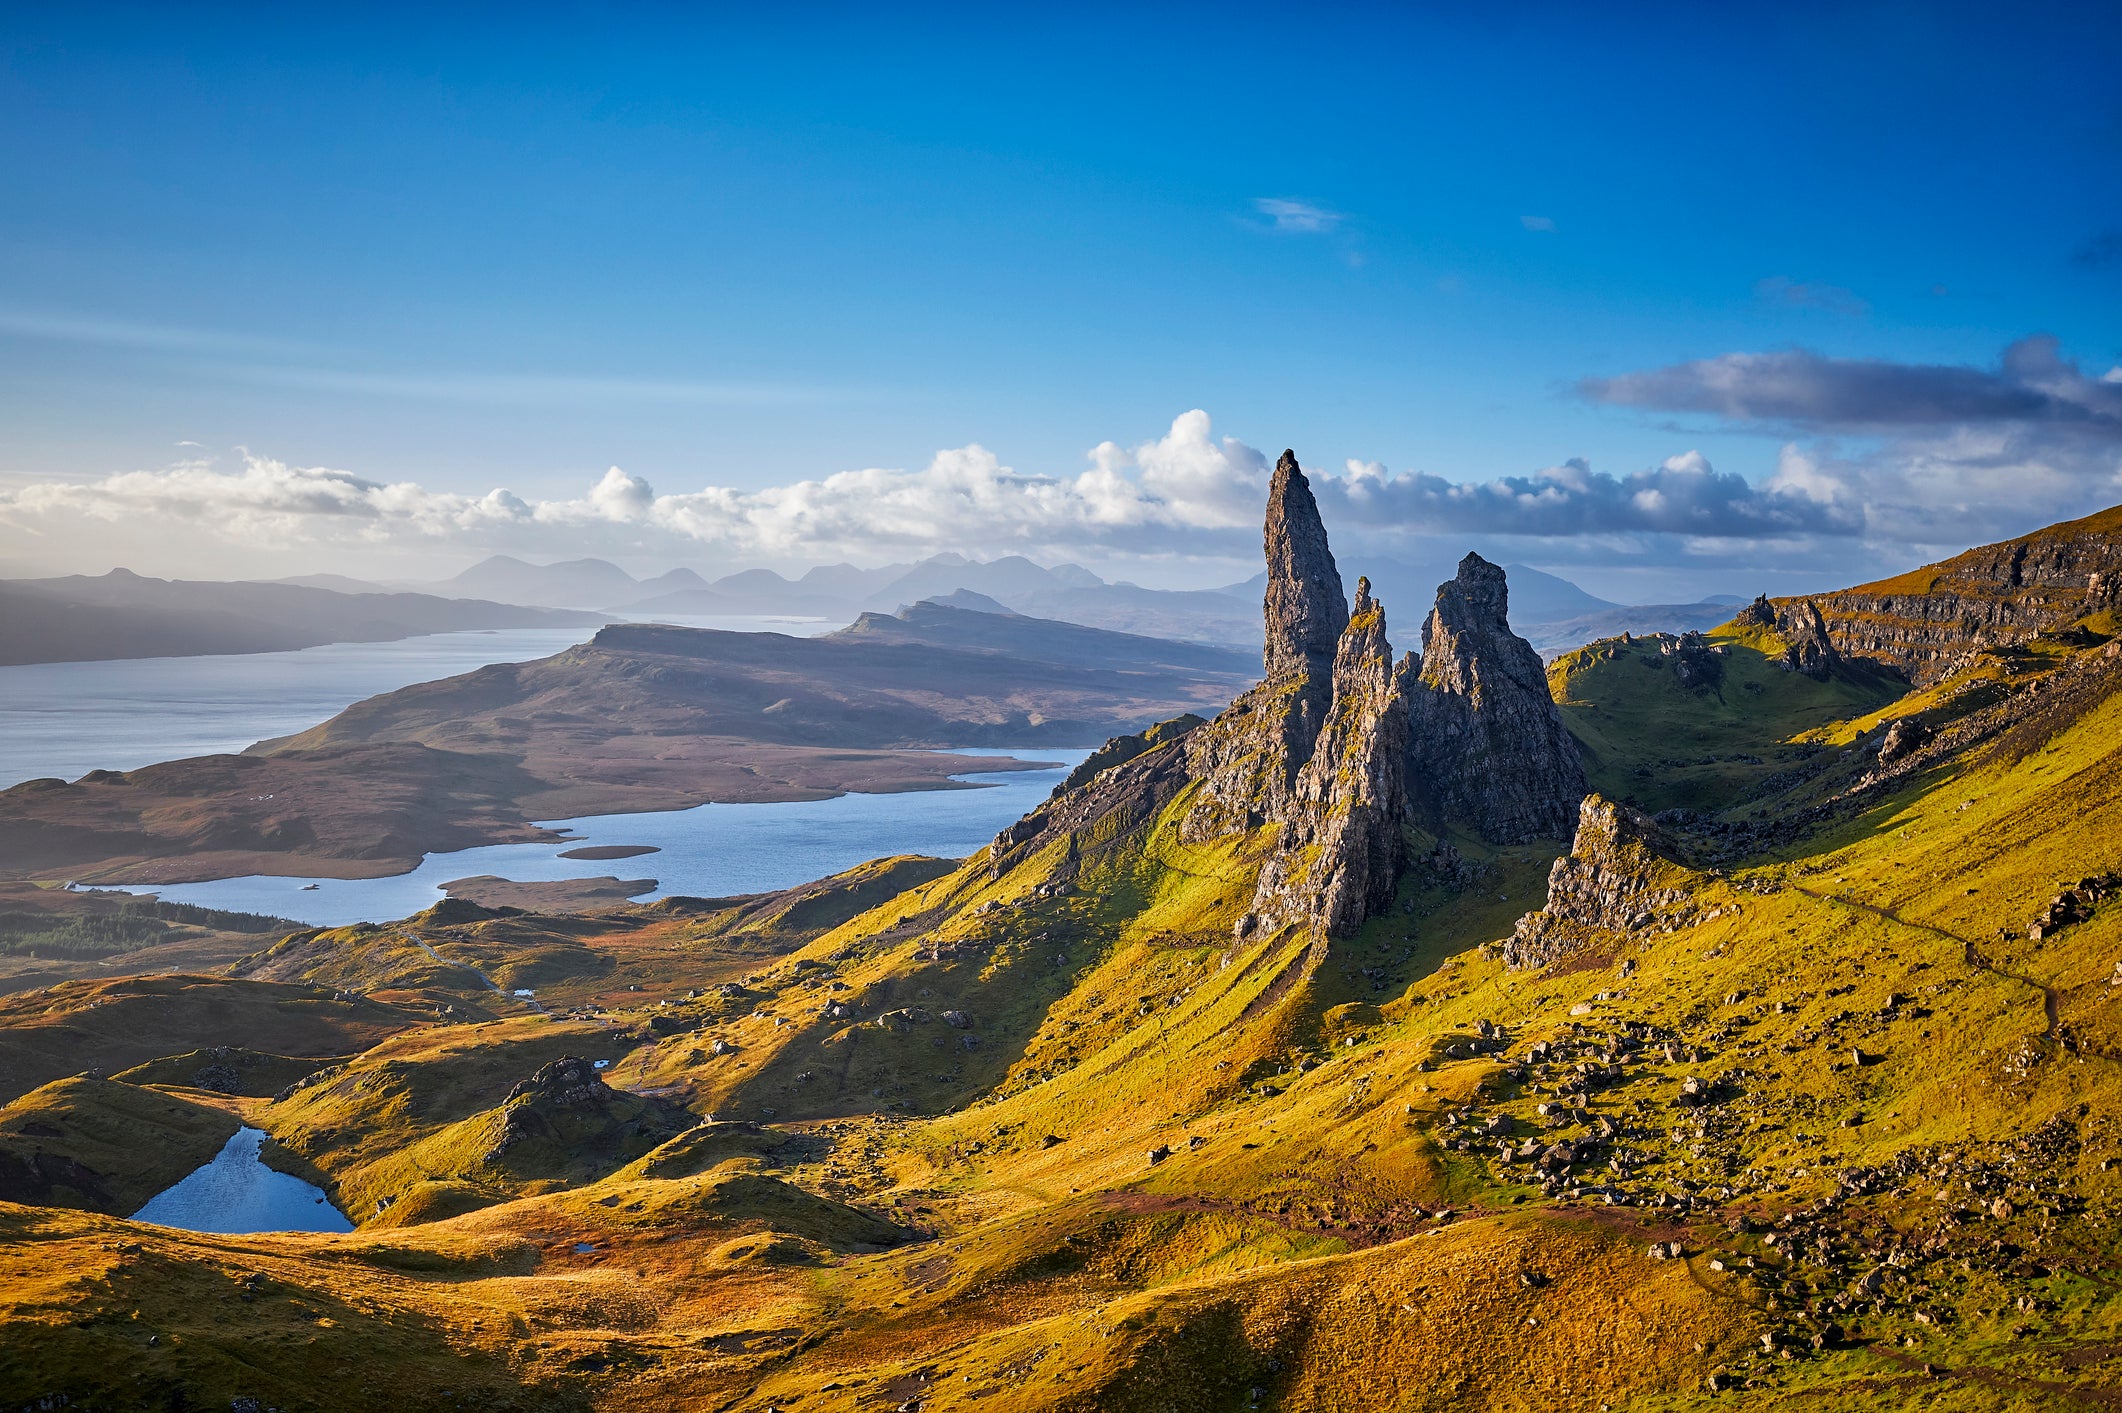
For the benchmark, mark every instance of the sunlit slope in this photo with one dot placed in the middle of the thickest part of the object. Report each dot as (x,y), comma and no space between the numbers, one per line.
(1176,1170)
(1652,738)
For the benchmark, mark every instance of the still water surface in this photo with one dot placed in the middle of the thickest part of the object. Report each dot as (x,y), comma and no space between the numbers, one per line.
(237,1193)
(713,851)
(65,719)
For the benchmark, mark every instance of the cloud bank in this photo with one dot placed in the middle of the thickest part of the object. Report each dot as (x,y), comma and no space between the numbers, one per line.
(1879,462)
(1188,493)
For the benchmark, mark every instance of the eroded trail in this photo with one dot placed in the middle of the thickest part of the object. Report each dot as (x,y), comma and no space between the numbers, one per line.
(1969,951)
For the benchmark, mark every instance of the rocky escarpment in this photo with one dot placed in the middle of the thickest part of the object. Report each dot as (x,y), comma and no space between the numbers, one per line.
(1121,749)
(1618,878)
(1130,789)
(1487,748)
(1923,623)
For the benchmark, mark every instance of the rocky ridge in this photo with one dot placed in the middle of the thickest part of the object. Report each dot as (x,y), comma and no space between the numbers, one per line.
(1921,624)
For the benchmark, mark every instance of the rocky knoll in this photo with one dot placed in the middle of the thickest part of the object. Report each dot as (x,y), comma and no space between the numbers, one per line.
(1617,879)
(1923,622)
(1488,749)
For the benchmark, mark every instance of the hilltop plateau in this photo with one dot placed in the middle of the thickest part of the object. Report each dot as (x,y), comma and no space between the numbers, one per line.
(1725,1019)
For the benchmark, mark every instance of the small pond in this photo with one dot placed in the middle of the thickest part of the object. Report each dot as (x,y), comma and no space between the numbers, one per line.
(237,1193)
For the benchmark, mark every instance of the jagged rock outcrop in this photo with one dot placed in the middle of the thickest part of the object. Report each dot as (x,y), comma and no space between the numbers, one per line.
(565,1113)
(1808,648)
(1698,665)
(1617,878)
(1343,842)
(1319,748)
(1487,748)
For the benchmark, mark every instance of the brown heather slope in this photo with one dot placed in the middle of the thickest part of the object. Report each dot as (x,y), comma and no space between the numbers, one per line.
(1830,1121)
(642,717)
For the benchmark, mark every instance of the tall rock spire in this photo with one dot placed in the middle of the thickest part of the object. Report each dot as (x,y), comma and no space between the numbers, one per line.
(1306,609)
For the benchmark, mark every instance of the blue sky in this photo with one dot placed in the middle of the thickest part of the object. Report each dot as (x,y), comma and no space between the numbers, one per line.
(450,250)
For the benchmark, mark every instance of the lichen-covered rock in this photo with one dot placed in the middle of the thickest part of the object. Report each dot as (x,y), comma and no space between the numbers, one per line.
(1487,748)
(1617,878)
(1343,842)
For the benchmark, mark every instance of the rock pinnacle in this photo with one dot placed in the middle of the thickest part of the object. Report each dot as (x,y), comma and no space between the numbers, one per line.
(1306,609)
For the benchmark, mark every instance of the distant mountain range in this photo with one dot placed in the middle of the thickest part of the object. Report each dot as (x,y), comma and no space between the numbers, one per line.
(123,615)
(1552,613)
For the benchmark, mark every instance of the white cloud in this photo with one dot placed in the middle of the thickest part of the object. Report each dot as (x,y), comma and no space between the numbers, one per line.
(1303,217)
(1537,223)
(1973,474)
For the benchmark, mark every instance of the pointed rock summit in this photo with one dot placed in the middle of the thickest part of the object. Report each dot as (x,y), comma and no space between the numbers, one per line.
(1326,761)
(1618,878)
(1488,748)
(1306,608)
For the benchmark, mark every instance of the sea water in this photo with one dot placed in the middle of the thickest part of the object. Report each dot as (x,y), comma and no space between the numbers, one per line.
(712,851)
(237,1193)
(64,719)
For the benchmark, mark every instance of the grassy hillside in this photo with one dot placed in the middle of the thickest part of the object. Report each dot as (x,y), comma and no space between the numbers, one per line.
(1651,738)
(1829,1124)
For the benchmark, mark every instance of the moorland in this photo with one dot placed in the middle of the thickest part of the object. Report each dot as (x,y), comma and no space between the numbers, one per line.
(1719,1019)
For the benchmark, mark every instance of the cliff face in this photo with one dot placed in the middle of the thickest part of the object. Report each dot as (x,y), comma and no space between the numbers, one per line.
(1248,758)
(1921,623)
(1487,747)
(1614,881)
